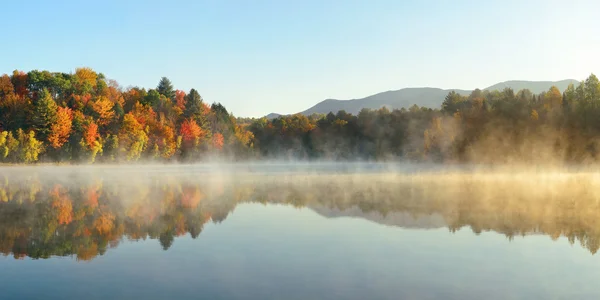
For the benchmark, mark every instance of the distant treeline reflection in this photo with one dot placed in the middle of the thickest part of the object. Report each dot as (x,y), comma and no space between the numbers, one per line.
(84,215)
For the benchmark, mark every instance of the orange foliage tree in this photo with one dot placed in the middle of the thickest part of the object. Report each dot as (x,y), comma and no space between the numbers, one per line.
(90,134)
(218,141)
(143,114)
(62,204)
(61,129)
(6,86)
(163,137)
(114,93)
(180,99)
(104,223)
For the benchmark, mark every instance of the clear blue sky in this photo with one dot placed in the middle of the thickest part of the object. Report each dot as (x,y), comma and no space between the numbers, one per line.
(284,56)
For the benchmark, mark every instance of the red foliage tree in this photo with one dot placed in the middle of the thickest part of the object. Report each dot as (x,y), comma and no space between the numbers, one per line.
(19,81)
(190,131)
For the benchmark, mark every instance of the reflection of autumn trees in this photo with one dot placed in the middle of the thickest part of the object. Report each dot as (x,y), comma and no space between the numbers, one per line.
(84,215)
(41,217)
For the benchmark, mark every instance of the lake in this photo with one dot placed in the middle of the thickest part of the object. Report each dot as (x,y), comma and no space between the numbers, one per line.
(298,231)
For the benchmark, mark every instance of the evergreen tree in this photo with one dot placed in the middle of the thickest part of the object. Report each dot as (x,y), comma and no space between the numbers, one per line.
(44,114)
(221,120)
(565,103)
(193,106)
(165,88)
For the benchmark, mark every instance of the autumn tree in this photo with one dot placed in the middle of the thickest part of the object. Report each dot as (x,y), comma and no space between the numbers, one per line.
(79,102)
(11,148)
(180,97)
(243,136)
(19,81)
(104,223)
(133,139)
(91,135)
(132,97)
(190,131)
(6,86)
(61,129)
(14,107)
(217,141)
(534,115)
(62,205)
(103,111)
(91,143)
(4,149)
(29,147)
(163,140)
(553,98)
(85,80)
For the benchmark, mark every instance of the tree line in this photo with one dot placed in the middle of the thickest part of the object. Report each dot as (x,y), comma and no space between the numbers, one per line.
(84,117)
(483,127)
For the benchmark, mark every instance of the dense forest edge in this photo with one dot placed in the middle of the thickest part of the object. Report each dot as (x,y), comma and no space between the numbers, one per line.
(82,117)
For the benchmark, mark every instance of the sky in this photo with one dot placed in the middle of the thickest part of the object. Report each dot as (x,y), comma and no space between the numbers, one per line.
(257,57)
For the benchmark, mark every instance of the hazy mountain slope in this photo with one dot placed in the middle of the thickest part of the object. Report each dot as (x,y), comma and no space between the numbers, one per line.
(535,87)
(428,97)
(272,116)
(399,219)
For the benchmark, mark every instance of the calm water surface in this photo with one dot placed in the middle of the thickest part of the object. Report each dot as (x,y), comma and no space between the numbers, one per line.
(297,232)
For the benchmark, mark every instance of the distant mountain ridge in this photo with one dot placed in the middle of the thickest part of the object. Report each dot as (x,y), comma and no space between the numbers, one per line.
(272,116)
(535,87)
(403,219)
(427,97)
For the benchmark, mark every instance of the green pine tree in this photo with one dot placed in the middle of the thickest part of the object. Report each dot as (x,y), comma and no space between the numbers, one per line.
(194,107)
(44,114)
(165,88)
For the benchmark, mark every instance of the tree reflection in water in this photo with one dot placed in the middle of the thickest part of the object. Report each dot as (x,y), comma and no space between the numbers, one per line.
(83,213)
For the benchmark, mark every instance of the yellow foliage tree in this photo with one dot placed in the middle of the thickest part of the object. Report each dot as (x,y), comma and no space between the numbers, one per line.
(103,108)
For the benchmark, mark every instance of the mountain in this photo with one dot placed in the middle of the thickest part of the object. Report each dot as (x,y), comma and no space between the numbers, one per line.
(428,97)
(272,116)
(535,87)
(402,219)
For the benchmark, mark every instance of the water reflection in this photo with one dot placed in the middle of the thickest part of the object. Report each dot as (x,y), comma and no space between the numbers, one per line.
(85,212)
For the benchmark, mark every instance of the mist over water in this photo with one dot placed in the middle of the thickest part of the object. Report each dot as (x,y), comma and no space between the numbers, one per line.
(301,230)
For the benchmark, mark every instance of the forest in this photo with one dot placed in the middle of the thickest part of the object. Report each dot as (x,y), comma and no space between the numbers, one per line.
(83,117)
